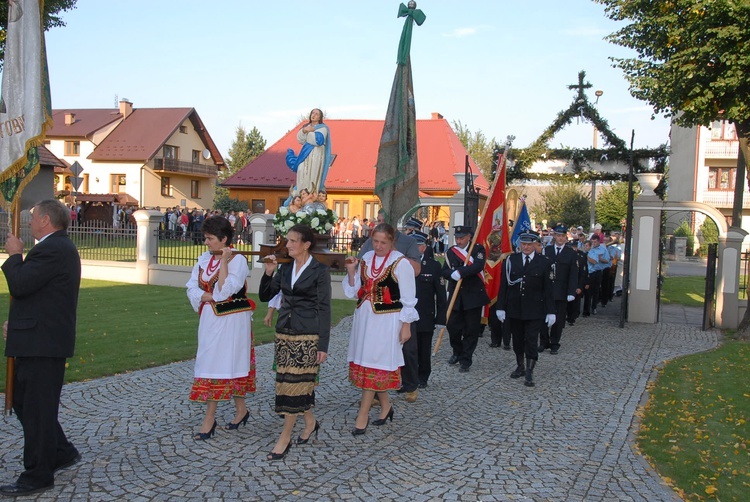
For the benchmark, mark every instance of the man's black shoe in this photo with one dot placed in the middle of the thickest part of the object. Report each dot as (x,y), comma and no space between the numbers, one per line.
(64,465)
(422,386)
(463,369)
(401,390)
(585,314)
(453,359)
(540,349)
(553,351)
(506,347)
(494,345)
(18,489)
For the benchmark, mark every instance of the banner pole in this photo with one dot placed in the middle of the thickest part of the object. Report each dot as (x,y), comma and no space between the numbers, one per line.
(10,361)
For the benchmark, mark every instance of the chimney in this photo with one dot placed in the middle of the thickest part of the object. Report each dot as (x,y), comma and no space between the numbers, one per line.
(436,116)
(70,118)
(126,108)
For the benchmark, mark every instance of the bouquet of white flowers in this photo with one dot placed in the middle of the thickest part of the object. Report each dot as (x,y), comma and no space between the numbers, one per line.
(319,219)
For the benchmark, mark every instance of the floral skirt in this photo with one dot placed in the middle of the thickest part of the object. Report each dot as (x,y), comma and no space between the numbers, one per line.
(224,389)
(373,379)
(296,372)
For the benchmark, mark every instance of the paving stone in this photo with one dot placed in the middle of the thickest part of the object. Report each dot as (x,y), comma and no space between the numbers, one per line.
(475,436)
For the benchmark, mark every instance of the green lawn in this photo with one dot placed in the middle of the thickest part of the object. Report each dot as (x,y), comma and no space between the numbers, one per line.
(126,327)
(688,291)
(695,427)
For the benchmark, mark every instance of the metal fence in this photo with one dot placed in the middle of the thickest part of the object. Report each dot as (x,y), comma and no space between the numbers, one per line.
(744,273)
(95,240)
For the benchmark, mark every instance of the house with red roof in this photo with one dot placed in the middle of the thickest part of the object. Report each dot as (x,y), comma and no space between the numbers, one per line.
(265,182)
(145,157)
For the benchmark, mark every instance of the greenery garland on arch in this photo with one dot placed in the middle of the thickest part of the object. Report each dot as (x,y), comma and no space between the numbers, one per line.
(581,158)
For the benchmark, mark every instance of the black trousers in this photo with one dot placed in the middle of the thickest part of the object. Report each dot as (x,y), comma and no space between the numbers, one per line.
(36,400)
(550,337)
(591,295)
(574,308)
(605,290)
(525,335)
(464,327)
(409,371)
(424,355)
(499,332)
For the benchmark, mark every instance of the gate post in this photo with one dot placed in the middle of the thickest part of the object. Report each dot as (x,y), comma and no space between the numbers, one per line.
(147,221)
(728,278)
(644,264)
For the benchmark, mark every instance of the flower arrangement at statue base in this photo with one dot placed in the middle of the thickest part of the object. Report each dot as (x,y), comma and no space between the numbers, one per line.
(320,219)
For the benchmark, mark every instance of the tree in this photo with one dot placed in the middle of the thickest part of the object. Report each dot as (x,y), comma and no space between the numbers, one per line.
(563,202)
(51,19)
(692,64)
(223,202)
(612,206)
(478,148)
(245,147)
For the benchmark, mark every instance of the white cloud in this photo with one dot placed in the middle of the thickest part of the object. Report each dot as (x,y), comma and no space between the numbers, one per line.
(465,32)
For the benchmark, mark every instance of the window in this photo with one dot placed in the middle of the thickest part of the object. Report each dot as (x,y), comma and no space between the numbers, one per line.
(721,130)
(72,148)
(371,210)
(341,208)
(196,157)
(118,183)
(721,178)
(170,152)
(166,187)
(258,206)
(195,189)
(183,129)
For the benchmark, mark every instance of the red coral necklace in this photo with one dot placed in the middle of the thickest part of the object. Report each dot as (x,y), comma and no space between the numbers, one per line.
(377,270)
(213,266)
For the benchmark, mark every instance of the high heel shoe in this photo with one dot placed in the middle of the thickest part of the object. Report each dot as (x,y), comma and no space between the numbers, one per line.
(358,432)
(279,456)
(382,421)
(315,431)
(202,436)
(234,426)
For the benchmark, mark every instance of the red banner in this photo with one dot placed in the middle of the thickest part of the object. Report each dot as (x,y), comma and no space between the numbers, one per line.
(493,235)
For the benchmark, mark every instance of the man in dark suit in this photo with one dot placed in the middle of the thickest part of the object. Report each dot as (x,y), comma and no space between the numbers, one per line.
(565,267)
(465,321)
(40,336)
(526,302)
(431,306)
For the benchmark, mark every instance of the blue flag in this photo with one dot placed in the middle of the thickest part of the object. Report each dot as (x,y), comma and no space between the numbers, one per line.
(523,224)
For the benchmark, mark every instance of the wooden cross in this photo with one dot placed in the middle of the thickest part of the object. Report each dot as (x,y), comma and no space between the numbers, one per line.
(580,86)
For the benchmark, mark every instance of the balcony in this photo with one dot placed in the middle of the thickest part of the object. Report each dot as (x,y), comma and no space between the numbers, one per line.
(721,149)
(186,168)
(724,199)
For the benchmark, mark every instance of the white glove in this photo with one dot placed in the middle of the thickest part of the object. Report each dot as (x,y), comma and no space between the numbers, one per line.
(550,320)
(455,275)
(571,298)
(500,315)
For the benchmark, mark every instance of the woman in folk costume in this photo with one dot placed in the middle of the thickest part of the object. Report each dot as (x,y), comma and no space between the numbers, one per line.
(302,331)
(384,285)
(225,362)
(314,158)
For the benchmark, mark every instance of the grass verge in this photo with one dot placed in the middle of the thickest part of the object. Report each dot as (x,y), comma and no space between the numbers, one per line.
(695,430)
(127,327)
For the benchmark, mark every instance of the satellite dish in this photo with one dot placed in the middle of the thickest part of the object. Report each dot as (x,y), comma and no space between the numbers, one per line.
(206,154)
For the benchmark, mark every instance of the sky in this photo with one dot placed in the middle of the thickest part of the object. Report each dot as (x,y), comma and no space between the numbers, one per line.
(500,67)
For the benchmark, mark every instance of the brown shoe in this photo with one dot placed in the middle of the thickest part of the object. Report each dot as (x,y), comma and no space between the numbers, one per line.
(412,396)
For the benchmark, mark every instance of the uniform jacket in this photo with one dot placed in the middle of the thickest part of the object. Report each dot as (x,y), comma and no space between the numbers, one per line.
(583,269)
(305,308)
(431,295)
(472,293)
(565,266)
(531,297)
(44,298)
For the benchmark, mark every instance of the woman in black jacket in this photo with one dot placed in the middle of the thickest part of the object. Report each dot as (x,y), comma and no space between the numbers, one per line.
(302,331)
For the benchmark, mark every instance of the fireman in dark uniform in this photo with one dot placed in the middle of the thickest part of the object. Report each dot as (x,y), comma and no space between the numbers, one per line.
(526,301)
(465,320)
(431,306)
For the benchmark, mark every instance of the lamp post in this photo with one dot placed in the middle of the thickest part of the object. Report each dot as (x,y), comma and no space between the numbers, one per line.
(592,212)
